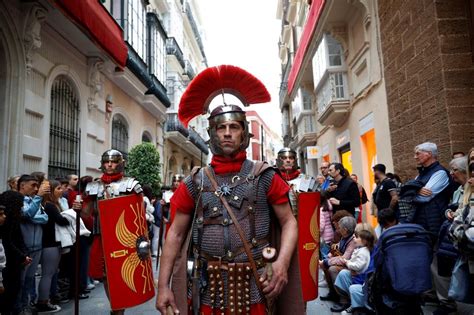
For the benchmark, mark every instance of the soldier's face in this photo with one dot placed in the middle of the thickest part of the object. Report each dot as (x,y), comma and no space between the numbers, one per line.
(288,161)
(110,167)
(230,134)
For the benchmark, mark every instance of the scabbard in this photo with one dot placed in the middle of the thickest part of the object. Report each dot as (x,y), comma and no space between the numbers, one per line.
(196,298)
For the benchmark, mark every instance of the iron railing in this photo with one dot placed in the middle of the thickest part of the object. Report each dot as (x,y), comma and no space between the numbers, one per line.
(173,124)
(172,48)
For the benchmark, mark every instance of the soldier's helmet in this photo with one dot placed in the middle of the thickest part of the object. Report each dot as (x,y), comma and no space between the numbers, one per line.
(114,156)
(224,113)
(284,153)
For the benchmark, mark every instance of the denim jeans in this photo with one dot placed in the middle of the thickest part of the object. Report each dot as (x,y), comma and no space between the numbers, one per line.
(28,283)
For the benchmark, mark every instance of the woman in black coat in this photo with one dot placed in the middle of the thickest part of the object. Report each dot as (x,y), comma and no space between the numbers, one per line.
(15,249)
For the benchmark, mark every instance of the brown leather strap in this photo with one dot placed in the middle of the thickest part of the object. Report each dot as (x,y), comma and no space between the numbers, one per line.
(239,230)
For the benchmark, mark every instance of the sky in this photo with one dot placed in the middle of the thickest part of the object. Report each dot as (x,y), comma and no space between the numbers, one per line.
(245,33)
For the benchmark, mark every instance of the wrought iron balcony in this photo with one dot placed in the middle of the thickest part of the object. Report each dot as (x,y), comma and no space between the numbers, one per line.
(198,141)
(284,83)
(195,29)
(173,124)
(189,71)
(333,99)
(189,134)
(172,48)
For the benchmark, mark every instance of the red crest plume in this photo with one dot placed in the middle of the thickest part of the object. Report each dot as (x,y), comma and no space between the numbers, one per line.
(215,80)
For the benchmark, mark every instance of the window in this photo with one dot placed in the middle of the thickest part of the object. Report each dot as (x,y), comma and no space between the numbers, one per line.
(131,15)
(64,133)
(157,47)
(338,84)
(334,52)
(146,137)
(306,100)
(120,134)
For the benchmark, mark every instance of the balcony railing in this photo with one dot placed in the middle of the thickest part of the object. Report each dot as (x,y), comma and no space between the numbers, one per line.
(195,29)
(198,141)
(333,99)
(189,71)
(284,82)
(172,48)
(173,124)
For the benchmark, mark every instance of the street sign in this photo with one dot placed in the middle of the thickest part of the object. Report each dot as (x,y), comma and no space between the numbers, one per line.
(313,152)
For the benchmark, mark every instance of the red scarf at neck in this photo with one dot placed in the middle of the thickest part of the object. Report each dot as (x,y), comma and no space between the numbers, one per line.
(290,175)
(222,164)
(107,179)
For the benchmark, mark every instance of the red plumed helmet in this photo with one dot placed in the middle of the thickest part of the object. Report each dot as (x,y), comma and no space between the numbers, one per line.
(218,80)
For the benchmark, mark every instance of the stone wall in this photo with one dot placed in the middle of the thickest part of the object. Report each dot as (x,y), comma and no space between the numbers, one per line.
(429,73)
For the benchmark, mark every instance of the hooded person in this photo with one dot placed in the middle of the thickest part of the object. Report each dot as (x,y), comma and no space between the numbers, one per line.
(229,211)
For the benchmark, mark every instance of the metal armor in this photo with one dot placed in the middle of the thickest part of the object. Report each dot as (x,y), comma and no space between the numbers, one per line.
(214,238)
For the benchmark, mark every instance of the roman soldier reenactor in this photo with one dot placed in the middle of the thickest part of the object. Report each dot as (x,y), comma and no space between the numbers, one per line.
(236,212)
(121,250)
(287,163)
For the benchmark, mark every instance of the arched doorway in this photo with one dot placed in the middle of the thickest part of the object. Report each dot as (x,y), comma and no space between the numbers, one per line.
(64,136)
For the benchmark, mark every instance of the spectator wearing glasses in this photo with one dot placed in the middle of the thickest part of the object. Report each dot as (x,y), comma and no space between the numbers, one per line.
(325,172)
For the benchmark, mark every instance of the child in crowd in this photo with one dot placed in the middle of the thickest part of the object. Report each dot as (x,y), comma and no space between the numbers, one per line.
(357,266)
(325,226)
(360,258)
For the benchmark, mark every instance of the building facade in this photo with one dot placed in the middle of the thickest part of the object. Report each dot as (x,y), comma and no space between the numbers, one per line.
(73,86)
(184,147)
(428,65)
(265,143)
(333,93)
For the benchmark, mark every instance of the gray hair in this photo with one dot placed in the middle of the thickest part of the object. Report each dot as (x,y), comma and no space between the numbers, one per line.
(428,147)
(460,163)
(349,223)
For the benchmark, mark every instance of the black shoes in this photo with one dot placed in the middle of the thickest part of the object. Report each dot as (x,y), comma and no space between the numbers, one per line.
(340,307)
(330,297)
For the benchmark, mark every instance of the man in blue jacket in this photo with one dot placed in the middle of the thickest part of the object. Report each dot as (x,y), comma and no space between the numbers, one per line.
(32,231)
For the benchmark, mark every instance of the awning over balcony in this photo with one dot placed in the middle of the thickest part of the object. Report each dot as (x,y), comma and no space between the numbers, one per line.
(308,32)
(99,26)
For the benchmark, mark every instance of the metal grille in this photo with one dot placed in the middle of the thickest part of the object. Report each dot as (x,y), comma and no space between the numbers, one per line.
(119,134)
(64,133)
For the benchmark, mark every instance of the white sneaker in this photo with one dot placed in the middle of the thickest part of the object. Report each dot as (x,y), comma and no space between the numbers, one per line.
(47,308)
(96,282)
(347,311)
(90,286)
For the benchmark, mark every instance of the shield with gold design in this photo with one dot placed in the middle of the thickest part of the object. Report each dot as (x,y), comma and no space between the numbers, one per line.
(126,251)
(308,242)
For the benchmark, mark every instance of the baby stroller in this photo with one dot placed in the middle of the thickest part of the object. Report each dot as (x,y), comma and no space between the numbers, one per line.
(402,270)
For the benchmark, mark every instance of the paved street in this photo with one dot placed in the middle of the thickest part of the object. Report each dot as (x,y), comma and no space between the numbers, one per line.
(97,304)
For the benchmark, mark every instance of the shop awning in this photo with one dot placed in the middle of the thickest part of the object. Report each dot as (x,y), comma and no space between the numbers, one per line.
(98,25)
(308,32)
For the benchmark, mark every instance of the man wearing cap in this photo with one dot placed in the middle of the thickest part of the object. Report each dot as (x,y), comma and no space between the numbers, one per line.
(385,194)
(287,163)
(112,184)
(228,206)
